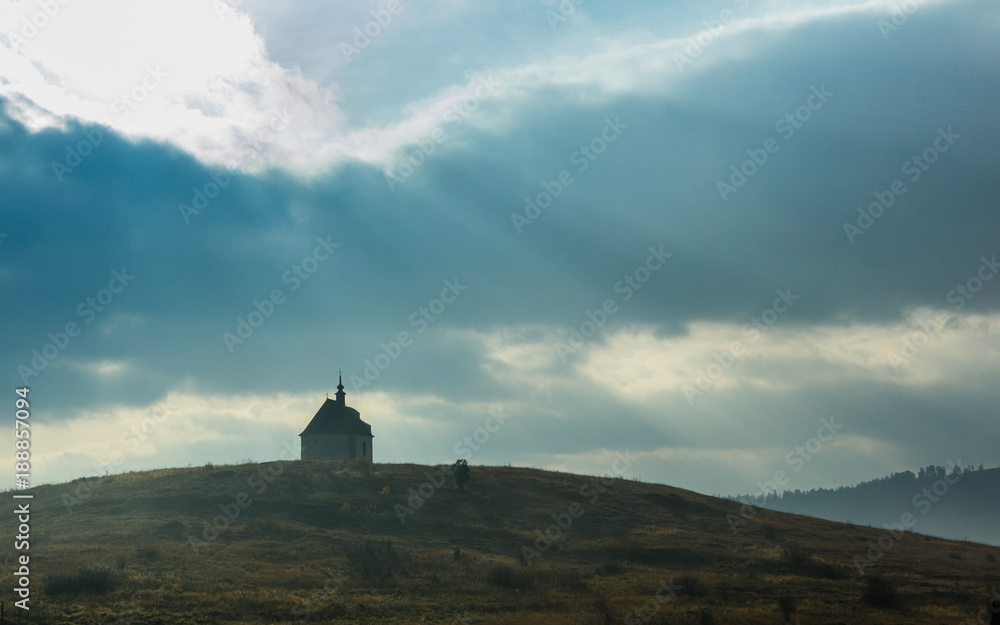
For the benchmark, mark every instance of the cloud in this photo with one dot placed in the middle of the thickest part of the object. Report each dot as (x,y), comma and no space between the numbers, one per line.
(216,95)
(74,219)
(918,352)
(221,98)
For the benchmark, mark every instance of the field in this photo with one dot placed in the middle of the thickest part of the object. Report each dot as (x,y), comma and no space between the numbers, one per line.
(351,543)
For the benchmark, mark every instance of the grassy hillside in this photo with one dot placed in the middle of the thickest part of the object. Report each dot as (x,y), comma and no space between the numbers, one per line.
(324,541)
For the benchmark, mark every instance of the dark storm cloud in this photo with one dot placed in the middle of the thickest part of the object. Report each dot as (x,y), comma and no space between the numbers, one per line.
(656,184)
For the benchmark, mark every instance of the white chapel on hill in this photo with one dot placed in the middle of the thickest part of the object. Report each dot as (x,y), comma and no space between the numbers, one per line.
(336,432)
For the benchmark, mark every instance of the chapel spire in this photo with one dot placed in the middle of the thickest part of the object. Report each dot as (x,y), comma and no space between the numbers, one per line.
(340,389)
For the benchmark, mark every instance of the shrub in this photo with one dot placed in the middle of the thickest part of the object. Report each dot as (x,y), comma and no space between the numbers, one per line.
(148,554)
(770,532)
(266,529)
(569,580)
(990,558)
(605,615)
(609,568)
(722,590)
(788,605)
(380,559)
(95,579)
(824,570)
(173,529)
(691,586)
(795,554)
(881,593)
(364,466)
(461,471)
(506,576)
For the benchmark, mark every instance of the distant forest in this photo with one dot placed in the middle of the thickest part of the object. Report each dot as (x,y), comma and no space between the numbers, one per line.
(960,502)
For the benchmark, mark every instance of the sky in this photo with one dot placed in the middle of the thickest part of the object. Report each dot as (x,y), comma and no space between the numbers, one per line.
(736,242)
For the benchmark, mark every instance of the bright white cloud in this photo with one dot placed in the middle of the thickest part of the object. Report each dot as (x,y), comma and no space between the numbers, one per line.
(639,366)
(180,72)
(207,85)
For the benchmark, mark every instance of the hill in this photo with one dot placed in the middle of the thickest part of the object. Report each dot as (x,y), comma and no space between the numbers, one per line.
(337,543)
(951,502)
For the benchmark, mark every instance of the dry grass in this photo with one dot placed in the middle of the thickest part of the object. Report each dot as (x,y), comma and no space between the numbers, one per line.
(296,550)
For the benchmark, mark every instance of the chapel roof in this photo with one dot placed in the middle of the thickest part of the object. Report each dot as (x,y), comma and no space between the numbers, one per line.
(336,417)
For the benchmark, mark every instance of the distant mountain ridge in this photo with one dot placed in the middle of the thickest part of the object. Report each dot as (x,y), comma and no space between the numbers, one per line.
(959,503)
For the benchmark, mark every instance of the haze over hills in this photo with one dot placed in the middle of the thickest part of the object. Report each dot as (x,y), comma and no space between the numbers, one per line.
(958,503)
(357,543)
